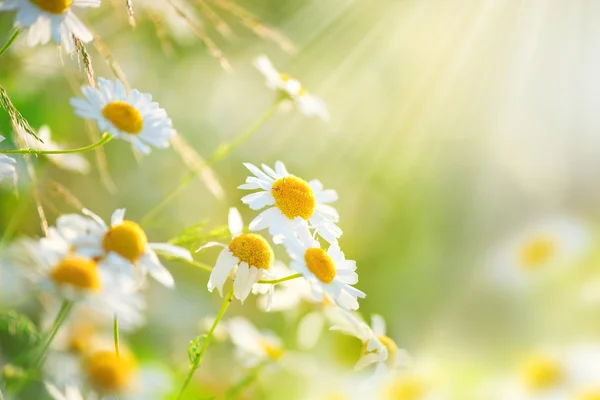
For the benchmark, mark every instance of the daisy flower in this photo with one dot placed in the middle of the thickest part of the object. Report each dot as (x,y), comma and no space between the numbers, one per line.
(8,170)
(295,203)
(285,296)
(123,242)
(291,90)
(540,250)
(254,347)
(111,377)
(132,116)
(248,254)
(331,276)
(48,19)
(71,392)
(550,374)
(377,346)
(74,277)
(71,162)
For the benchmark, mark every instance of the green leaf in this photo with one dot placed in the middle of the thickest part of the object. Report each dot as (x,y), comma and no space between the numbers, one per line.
(17,333)
(194,348)
(196,235)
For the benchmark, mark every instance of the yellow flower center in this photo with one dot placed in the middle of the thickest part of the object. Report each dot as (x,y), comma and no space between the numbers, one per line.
(541,372)
(127,240)
(124,117)
(320,264)
(77,271)
(252,249)
(537,252)
(392,349)
(294,197)
(407,388)
(53,6)
(285,77)
(109,374)
(589,395)
(274,352)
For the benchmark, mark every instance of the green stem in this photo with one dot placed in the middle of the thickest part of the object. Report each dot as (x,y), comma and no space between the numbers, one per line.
(287,278)
(106,138)
(116,334)
(64,311)
(207,341)
(222,151)
(10,41)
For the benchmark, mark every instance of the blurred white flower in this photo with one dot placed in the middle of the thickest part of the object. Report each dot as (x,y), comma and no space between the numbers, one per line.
(254,347)
(72,162)
(122,243)
(330,275)
(8,169)
(51,19)
(540,250)
(415,383)
(132,116)
(296,203)
(291,90)
(377,346)
(109,376)
(55,268)
(249,252)
(567,373)
(71,392)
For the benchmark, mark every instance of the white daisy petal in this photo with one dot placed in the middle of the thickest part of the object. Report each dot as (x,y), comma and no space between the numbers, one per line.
(171,250)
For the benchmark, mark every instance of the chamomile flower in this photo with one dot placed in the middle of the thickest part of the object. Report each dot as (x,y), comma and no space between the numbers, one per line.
(551,374)
(75,277)
(123,242)
(51,19)
(132,116)
(331,276)
(71,392)
(285,296)
(248,255)
(294,202)
(8,169)
(540,250)
(377,346)
(254,347)
(291,90)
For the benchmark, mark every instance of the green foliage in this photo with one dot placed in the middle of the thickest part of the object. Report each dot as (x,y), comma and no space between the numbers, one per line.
(17,333)
(17,120)
(195,236)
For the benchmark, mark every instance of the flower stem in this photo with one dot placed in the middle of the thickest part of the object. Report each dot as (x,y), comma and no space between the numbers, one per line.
(235,391)
(222,151)
(10,41)
(207,341)
(64,311)
(116,334)
(287,278)
(106,138)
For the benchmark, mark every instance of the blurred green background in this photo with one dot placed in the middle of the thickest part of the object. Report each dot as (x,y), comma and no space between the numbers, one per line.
(452,124)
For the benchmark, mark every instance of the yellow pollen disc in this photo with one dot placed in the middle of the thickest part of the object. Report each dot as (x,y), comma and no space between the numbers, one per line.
(108,373)
(589,395)
(294,197)
(252,249)
(80,272)
(407,388)
(53,6)
(127,240)
(392,349)
(541,372)
(124,116)
(320,264)
(274,352)
(537,252)
(286,77)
